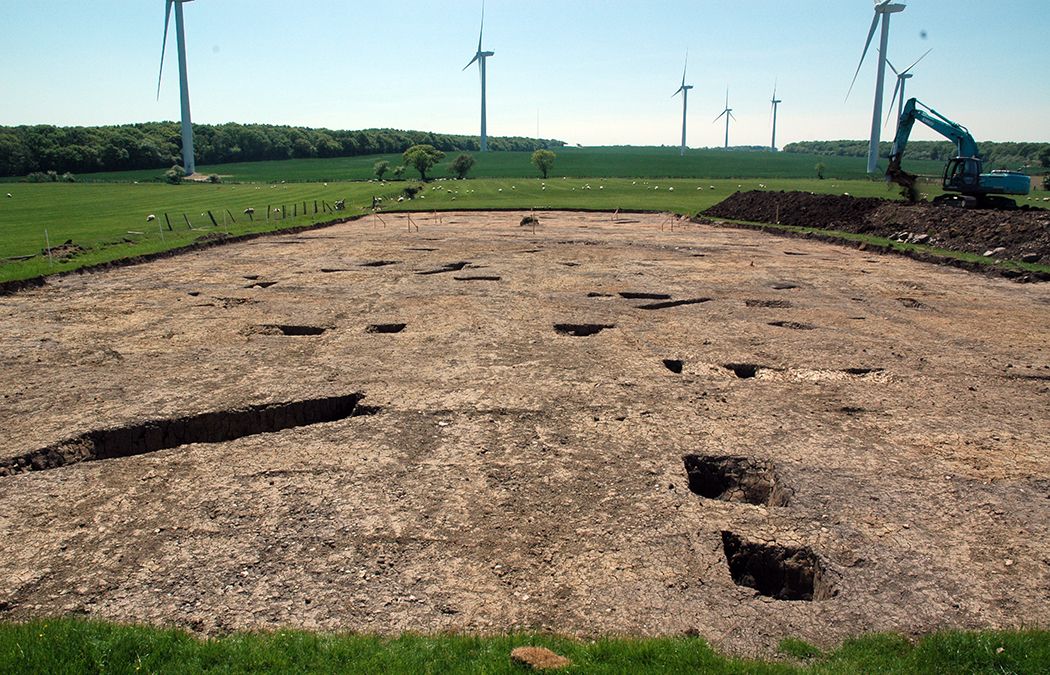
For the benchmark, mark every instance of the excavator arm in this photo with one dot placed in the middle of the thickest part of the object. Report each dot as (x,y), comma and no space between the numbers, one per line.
(956,133)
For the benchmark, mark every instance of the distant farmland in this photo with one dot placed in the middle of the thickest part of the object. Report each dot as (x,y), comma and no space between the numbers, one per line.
(596,162)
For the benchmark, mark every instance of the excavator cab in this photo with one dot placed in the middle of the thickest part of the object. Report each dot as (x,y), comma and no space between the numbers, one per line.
(962,174)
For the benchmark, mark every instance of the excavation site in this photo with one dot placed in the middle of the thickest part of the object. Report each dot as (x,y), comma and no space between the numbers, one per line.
(592,425)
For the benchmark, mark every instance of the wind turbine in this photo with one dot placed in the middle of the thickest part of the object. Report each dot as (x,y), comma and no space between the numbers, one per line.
(684,91)
(775,102)
(728,112)
(883,10)
(902,81)
(480,57)
(184,88)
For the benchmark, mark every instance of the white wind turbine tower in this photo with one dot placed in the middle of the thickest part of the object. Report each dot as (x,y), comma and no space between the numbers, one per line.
(480,57)
(883,10)
(684,91)
(775,102)
(728,112)
(902,81)
(184,87)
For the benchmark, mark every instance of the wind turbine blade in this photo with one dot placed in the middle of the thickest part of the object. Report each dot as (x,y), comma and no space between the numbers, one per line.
(895,71)
(871,34)
(482,31)
(164,43)
(917,60)
(731,115)
(720,116)
(680,90)
(893,100)
(774,89)
(685,67)
(476,57)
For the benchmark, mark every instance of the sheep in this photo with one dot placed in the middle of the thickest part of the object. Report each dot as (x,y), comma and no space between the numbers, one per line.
(150,218)
(9,195)
(248,211)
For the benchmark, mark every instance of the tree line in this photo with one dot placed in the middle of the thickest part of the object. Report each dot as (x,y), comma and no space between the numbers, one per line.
(1007,155)
(158,145)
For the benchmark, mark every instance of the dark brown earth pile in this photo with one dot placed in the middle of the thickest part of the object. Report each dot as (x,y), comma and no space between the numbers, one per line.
(1014,235)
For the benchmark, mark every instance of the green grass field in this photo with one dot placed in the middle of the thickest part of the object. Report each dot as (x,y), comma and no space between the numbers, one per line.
(70,645)
(598,162)
(109,219)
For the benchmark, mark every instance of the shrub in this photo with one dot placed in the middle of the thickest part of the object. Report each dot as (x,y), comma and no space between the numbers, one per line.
(175,174)
(461,166)
(380,168)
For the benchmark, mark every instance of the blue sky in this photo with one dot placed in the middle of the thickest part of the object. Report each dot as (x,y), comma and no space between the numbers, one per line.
(592,72)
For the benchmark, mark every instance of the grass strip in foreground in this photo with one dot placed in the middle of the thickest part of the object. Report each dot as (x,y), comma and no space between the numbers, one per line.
(75,645)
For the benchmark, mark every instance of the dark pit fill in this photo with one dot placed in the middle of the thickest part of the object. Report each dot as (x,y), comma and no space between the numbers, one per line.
(776,571)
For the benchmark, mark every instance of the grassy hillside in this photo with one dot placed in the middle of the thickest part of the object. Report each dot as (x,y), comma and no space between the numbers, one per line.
(599,162)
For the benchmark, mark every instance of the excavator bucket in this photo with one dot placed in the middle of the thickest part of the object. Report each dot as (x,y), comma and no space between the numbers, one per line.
(895,174)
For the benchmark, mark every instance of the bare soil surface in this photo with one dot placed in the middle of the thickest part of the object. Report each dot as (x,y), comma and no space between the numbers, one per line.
(1019,233)
(801,440)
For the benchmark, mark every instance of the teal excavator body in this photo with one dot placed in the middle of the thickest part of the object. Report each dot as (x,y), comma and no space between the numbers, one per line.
(963,173)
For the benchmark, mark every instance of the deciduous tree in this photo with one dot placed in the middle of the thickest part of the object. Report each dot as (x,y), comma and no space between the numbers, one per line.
(422,158)
(544,161)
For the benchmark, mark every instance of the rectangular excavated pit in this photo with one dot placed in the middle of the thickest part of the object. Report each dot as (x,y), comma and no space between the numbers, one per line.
(386,328)
(776,571)
(631,295)
(161,434)
(674,303)
(581,329)
(735,479)
(288,329)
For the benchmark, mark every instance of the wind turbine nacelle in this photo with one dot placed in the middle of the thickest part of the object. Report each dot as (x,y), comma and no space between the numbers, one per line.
(890,9)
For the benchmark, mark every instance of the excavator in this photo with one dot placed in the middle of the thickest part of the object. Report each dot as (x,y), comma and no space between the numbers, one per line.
(968,187)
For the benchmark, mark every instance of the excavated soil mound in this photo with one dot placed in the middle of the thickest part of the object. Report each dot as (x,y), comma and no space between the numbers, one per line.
(1021,234)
